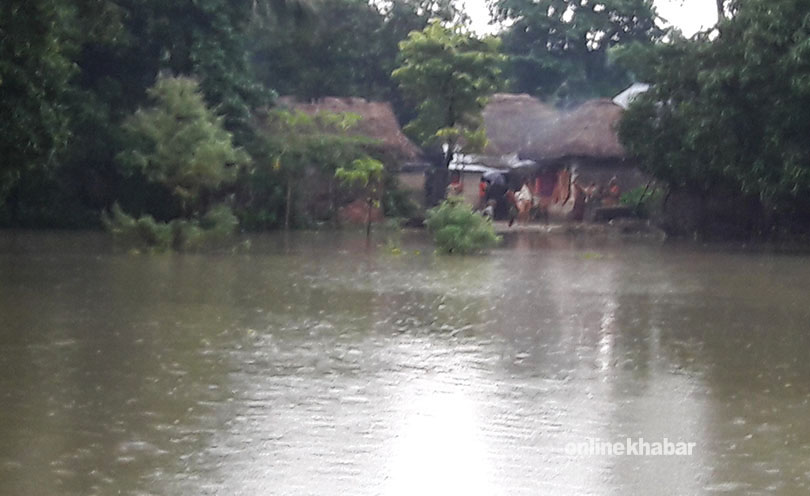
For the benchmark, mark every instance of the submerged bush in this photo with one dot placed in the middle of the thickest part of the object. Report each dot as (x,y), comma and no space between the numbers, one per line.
(457,229)
(145,232)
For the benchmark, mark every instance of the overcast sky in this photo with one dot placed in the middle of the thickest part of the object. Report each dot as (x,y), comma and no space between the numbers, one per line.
(689,15)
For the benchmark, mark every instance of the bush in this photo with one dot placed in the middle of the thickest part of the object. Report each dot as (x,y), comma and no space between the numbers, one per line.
(457,229)
(218,225)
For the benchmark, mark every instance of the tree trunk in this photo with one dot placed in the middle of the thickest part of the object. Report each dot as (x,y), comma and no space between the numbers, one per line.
(721,11)
(289,206)
(641,198)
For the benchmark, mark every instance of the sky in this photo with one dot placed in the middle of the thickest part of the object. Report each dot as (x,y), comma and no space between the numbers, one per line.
(689,15)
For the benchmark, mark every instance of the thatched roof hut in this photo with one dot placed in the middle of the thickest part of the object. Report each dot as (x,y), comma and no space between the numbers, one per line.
(378,122)
(536,131)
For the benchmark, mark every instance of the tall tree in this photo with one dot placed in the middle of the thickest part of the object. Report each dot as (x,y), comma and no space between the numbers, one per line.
(729,112)
(35,69)
(335,53)
(297,144)
(144,38)
(448,74)
(181,144)
(559,48)
(348,48)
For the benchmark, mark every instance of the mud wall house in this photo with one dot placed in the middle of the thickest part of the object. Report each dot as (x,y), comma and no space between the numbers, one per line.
(583,140)
(471,167)
(390,145)
(529,138)
(510,120)
(586,142)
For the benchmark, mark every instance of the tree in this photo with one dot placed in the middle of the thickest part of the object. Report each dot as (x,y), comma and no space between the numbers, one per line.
(296,141)
(111,52)
(35,69)
(448,74)
(335,53)
(181,144)
(366,173)
(560,48)
(729,113)
(348,48)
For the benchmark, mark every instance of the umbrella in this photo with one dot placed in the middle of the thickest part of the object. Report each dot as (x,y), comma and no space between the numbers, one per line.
(494,177)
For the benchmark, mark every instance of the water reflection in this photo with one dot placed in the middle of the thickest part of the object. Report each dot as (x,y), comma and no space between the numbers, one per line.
(315,366)
(438,447)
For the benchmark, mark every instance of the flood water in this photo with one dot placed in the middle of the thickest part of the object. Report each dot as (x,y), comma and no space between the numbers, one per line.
(313,364)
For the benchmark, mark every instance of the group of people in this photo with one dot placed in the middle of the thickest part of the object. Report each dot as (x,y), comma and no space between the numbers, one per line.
(527,202)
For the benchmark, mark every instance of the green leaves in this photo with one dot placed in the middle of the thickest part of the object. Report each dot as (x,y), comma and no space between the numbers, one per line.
(35,69)
(732,112)
(361,172)
(559,48)
(448,74)
(458,230)
(180,143)
(297,140)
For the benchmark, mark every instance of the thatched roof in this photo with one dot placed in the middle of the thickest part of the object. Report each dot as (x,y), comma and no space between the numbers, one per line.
(536,131)
(378,122)
(513,121)
(590,131)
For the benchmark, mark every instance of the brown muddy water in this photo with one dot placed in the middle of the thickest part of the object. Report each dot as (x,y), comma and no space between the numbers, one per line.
(314,365)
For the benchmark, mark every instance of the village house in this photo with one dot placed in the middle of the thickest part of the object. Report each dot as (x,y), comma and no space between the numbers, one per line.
(529,139)
(388,144)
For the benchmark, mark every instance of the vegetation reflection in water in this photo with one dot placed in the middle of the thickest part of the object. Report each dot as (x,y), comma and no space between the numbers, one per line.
(312,364)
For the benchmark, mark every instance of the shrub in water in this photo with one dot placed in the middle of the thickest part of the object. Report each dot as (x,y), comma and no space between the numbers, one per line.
(457,229)
(145,232)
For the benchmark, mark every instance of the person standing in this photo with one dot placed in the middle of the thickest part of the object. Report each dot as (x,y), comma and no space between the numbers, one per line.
(482,193)
(613,194)
(456,186)
(578,210)
(524,202)
(511,204)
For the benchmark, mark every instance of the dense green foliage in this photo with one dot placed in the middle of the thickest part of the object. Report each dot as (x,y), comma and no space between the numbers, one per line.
(448,74)
(300,151)
(561,48)
(34,72)
(457,229)
(348,48)
(180,144)
(729,114)
(216,226)
(89,64)
(72,71)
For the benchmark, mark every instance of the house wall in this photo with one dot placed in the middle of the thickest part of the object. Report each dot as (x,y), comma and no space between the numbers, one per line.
(600,172)
(470,181)
(413,183)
